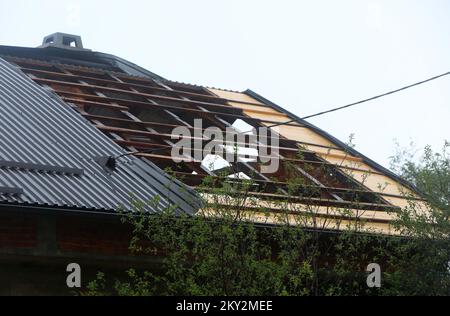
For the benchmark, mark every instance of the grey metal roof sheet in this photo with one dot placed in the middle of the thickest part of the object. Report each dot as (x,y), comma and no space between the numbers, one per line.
(38,128)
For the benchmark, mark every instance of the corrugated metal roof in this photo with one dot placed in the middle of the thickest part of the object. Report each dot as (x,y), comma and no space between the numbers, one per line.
(38,128)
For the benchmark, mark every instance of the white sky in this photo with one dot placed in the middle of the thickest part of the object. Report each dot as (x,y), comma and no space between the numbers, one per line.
(306,56)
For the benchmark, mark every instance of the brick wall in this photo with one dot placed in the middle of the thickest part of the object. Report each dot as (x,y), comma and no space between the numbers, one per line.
(36,247)
(79,234)
(18,231)
(92,236)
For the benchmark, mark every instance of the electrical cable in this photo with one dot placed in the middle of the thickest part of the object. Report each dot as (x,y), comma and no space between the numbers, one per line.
(312,115)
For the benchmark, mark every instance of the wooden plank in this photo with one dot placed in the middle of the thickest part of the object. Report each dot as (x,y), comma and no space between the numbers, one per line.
(163,157)
(322,202)
(148,105)
(133,93)
(139,144)
(165,135)
(93,103)
(158,124)
(92,71)
(390,197)
(125,85)
(233,95)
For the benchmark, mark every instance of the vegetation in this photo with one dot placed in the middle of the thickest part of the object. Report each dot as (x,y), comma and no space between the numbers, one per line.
(221,251)
(422,263)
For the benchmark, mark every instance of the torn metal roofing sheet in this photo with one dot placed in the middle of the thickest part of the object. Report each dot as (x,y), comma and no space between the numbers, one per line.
(48,156)
(90,59)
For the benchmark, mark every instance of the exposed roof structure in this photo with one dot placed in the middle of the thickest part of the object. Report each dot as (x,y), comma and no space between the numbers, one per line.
(138,110)
(51,156)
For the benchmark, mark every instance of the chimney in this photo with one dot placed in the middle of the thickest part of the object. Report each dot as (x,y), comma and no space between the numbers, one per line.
(63,40)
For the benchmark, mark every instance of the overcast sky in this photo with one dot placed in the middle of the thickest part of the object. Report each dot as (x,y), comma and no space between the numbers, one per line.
(306,56)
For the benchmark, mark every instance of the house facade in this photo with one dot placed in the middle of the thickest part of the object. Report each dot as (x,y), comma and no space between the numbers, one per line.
(83,133)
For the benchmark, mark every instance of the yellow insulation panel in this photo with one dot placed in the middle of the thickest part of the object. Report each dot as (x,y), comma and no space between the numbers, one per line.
(317,223)
(307,215)
(257,109)
(230,95)
(376,182)
(265,116)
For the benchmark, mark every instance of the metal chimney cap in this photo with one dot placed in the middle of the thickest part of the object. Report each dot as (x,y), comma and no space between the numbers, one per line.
(63,40)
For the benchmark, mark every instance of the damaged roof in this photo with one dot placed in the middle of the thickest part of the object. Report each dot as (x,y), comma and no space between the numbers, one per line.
(130,109)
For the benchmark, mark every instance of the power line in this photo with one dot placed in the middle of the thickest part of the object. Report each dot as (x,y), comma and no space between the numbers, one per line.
(362,101)
(312,115)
